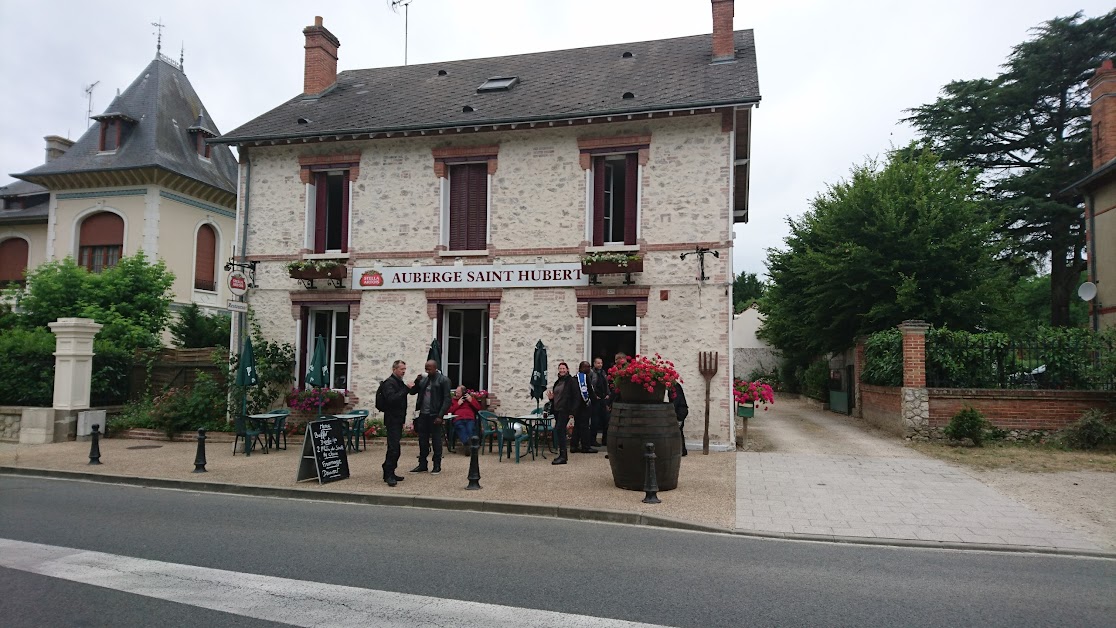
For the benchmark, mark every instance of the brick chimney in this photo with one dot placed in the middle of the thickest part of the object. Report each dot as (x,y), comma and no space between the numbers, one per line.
(56,147)
(321,58)
(723,47)
(1103,92)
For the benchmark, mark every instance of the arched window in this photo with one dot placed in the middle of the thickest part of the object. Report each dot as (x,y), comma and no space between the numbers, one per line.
(13,260)
(205,259)
(101,241)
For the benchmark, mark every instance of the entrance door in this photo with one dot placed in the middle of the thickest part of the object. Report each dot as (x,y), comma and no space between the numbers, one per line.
(333,326)
(465,346)
(613,328)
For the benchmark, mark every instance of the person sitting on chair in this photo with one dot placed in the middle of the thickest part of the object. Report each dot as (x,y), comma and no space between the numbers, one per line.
(464,409)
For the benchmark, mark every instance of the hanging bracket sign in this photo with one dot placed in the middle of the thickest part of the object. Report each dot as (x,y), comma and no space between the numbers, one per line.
(238,283)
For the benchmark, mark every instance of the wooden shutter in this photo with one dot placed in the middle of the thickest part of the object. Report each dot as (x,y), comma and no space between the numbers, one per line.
(598,200)
(321,197)
(205,259)
(477,230)
(13,259)
(102,229)
(459,208)
(345,212)
(631,189)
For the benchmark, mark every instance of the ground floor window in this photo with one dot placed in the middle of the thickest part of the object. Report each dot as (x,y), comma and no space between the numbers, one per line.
(464,341)
(332,324)
(613,328)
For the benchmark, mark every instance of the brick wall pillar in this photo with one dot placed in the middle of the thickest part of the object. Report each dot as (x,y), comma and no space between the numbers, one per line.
(916,398)
(858,370)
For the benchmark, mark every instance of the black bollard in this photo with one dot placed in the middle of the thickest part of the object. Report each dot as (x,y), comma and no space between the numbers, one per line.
(650,480)
(199,460)
(474,464)
(95,448)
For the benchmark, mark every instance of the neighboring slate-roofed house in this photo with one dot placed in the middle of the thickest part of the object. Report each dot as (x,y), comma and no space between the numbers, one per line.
(1099,189)
(459,198)
(143,176)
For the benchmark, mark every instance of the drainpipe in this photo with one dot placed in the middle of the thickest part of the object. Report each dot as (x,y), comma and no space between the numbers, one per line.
(1091,249)
(242,318)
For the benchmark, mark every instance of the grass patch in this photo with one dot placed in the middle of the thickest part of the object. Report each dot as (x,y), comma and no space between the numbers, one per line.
(1020,457)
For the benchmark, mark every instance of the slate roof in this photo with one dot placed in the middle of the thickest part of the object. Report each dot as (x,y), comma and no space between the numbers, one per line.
(661,75)
(164,106)
(37,212)
(1090,180)
(21,188)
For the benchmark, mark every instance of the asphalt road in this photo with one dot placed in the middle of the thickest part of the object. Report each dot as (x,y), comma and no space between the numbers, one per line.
(609,571)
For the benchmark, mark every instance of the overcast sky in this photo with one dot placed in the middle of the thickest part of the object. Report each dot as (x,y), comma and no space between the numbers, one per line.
(835,76)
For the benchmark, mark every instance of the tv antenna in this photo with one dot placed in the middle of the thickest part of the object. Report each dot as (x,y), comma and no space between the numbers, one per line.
(395,4)
(89,107)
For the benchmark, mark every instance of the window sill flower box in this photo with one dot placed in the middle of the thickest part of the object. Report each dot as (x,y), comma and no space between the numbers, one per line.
(611,264)
(333,272)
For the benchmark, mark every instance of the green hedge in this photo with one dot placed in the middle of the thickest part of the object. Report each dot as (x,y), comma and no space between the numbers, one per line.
(27,370)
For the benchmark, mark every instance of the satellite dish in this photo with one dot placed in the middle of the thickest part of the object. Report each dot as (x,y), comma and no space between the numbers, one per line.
(1087,291)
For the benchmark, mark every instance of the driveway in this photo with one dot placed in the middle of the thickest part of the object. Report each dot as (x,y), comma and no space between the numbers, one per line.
(818,473)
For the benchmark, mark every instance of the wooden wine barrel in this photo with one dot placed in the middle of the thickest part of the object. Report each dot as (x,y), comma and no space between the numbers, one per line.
(631,426)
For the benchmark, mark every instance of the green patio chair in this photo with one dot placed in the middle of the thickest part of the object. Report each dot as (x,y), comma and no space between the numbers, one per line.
(507,435)
(356,432)
(249,433)
(280,428)
(488,429)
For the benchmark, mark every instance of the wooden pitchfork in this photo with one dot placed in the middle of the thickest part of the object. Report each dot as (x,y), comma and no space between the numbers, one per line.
(707,366)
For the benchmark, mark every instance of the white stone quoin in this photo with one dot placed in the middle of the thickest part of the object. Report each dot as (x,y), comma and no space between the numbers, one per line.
(73,361)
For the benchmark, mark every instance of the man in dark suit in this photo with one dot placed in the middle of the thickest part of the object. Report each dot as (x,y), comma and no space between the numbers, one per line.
(681,411)
(601,402)
(394,391)
(433,390)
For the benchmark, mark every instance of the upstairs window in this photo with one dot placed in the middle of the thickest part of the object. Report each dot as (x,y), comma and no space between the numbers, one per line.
(111,134)
(205,259)
(13,261)
(468,207)
(331,211)
(615,181)
(101,241)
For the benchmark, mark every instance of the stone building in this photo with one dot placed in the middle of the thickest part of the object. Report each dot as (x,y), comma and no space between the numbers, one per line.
(1099,189)
(141,177)
(458,199)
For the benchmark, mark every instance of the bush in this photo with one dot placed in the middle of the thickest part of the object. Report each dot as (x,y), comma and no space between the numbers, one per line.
(815,380)
(1093,430)
(27,368)
(194,329)
(275,364)
(883,357)
(968,423)
(770,376)
(190,407)
(138,413)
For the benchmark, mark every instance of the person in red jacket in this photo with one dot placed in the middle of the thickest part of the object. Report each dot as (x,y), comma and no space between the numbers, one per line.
(464,408)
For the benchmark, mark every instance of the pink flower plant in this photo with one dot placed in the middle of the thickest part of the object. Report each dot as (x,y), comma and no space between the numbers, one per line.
(311,399)
(756,392)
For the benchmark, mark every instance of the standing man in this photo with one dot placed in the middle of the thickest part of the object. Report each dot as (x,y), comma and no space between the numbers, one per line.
(582,438)
(681,411)
(599,385)
(391,399)
(433,390)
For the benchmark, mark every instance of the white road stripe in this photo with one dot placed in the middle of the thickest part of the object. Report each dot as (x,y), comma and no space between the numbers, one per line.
(283,600)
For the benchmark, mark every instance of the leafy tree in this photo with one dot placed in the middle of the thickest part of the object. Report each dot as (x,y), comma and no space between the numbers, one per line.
(132,299)
(746,288)
(901,241)
(194,329)
(275,364)
(1027,133)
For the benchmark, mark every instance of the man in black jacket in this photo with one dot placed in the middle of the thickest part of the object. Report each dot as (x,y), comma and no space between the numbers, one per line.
(601,401)
(681,411)
(394,392)
(433,390)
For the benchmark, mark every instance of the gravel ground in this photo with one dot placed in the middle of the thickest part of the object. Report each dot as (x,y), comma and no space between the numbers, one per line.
(706,490)
(1080,500)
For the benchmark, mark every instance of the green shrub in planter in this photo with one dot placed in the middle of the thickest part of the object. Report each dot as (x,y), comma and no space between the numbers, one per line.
(1094,429)
(968,423)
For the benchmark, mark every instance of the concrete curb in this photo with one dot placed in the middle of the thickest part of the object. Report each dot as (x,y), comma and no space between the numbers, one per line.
(537,510)
(953,545)
(371,499)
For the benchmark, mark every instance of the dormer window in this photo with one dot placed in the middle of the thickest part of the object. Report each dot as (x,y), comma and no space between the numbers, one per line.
(111,134)
(203,148)
(198,133)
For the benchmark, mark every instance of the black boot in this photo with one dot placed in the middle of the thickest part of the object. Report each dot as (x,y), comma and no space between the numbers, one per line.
(561,459)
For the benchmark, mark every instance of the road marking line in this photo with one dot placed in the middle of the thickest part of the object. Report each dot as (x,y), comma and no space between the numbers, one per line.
(283,600)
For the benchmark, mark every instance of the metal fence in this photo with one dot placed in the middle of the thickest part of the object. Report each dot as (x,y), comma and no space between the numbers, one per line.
(1069,361)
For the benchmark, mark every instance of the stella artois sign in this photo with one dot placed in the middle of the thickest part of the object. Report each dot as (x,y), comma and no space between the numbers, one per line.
(470,276)
(238,283)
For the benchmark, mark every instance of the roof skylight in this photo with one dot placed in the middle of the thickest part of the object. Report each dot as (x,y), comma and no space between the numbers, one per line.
(498,84)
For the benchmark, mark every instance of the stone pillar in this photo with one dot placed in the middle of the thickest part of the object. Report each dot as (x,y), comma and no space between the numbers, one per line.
(916,398)
(73,361)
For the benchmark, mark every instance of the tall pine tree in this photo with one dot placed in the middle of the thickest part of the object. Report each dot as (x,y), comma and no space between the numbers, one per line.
(1027,132)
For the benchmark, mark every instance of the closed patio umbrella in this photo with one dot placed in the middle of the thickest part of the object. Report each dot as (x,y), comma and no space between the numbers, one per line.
(538,373)
(317,374)
(435,353)
(246,376)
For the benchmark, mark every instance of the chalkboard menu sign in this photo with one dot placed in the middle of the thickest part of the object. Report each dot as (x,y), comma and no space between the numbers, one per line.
(323,452)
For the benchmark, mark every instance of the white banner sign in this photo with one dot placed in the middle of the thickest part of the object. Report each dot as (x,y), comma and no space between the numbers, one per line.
(474,276)
(238,306)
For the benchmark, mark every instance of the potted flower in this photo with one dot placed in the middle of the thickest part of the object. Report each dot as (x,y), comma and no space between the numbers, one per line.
(317,269)
(611,263)
(748,394)
(316,399)
(643,379)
